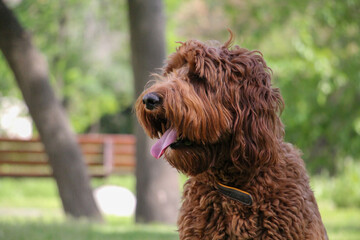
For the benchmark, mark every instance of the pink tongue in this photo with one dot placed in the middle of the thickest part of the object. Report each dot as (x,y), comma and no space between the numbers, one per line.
(165,141)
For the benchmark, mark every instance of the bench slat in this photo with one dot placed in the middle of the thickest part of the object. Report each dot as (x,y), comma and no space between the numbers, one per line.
(104,154)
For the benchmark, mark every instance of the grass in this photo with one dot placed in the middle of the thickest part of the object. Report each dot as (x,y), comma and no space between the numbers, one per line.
(341,224)
(41,193)
(47,229)
(30,209)
(28,193)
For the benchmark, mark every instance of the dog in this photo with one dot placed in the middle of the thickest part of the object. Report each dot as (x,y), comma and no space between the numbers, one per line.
(216,116)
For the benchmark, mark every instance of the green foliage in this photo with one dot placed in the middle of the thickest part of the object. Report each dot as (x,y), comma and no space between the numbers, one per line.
(340,191)
(313,48)
(86,45)
(7,84)
(346,192)
(315,67)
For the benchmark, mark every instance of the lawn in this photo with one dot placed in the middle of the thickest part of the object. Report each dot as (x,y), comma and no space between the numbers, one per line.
(30,210)
(48,229)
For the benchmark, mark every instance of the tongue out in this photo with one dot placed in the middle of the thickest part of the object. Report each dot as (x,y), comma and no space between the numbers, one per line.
(164,142)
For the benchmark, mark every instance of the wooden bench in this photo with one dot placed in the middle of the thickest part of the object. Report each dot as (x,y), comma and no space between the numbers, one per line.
(104,154)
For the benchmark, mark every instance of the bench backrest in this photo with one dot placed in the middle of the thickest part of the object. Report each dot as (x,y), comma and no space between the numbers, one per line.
(104,154)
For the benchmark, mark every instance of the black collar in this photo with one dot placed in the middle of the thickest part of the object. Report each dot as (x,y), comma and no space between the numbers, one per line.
(235,194)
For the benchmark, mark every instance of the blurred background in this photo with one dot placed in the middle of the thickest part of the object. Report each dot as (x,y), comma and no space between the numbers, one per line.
(94,51)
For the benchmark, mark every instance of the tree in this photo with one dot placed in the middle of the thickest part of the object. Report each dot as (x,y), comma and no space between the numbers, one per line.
(31,73)
(157,184)
(86,45)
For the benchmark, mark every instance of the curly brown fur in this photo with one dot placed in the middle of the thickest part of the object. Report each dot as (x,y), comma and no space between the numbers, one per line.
(221,101)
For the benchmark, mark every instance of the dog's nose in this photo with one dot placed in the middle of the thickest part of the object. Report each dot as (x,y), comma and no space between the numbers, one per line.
(151,100)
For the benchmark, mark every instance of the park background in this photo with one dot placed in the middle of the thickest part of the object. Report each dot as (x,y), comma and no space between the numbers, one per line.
(311,46)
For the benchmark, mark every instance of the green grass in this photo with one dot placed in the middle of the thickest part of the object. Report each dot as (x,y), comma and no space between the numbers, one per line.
(28,193)
(341,224)
(30,209)
(47,229)
(41,193)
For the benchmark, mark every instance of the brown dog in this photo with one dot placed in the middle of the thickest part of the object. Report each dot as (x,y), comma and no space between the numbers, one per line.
(217,119)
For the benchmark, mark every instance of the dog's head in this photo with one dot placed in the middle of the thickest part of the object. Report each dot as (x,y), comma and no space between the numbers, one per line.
(213,104)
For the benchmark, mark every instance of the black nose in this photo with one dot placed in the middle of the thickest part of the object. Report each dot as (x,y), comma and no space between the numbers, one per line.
(151,100)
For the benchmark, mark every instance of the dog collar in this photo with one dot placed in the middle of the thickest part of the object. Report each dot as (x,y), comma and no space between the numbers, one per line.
(235,194)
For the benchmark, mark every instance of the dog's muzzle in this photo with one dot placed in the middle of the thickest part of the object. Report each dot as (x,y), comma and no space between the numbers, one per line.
(151,100)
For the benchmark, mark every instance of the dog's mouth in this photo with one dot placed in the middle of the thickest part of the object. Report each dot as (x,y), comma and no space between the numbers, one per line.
(171,139)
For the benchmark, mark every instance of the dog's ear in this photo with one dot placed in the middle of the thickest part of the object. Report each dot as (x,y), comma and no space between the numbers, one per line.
(201,60)
(257,129)
(181,57)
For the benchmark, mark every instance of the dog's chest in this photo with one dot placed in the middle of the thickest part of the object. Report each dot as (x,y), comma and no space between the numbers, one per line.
(206,212)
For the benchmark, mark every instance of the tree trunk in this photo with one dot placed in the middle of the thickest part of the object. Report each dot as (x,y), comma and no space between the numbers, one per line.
(157,183)
(31,73)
